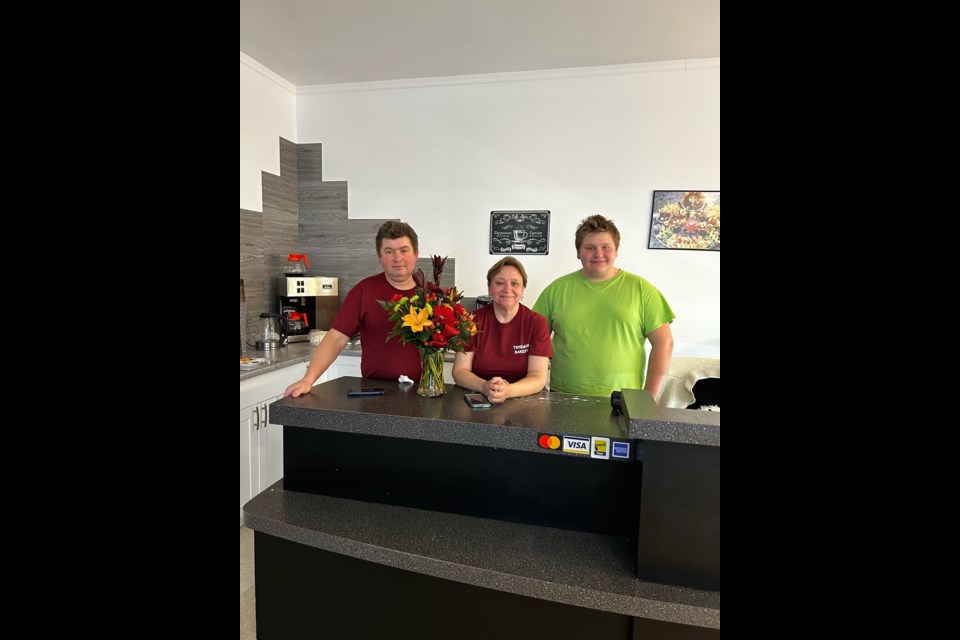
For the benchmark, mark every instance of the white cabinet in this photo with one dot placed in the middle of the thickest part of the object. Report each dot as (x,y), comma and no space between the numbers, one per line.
(345,366)
(257,461)
(261,442)
(258,464)
(261,450)
(247,418)
(271,448)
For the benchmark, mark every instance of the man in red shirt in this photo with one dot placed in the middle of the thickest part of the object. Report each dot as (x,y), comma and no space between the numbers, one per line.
(398,250)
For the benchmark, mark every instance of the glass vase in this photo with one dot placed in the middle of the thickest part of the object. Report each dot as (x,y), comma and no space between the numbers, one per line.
(431,377)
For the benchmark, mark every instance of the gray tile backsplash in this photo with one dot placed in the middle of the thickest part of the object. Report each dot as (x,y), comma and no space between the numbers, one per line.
(251,267)
(304,214)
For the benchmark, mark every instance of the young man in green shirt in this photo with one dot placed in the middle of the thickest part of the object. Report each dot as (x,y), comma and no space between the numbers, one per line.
(601,316)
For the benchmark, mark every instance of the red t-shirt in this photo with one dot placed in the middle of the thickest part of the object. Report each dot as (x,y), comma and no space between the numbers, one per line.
(502,349)
(360,312)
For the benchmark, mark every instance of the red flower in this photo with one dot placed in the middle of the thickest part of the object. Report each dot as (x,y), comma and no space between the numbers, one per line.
(444,312)
(450,330)
(438,340)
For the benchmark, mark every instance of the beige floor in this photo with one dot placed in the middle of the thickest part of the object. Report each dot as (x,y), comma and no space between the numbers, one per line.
(248,612)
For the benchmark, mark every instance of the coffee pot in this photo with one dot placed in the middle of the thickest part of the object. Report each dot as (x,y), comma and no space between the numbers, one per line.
(294,266)
(272,332)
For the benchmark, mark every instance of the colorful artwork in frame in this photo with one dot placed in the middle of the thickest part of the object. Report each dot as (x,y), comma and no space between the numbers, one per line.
(685,220)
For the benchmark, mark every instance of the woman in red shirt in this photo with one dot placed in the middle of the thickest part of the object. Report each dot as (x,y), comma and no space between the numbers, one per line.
(512,350)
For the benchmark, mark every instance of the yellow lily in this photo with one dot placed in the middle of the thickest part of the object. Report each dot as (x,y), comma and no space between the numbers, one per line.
(417,321)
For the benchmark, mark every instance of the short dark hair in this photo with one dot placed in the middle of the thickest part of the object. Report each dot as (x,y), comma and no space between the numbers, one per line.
(506,262)
(596,224)
(392,230)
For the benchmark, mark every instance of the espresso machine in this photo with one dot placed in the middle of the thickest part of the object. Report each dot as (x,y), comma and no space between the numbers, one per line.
(306,303)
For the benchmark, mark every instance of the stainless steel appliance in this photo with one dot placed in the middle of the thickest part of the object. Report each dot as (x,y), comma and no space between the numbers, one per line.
(308,302)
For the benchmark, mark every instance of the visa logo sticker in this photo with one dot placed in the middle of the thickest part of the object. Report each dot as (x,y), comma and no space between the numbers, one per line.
(572,444)
(621,450)
(600,448)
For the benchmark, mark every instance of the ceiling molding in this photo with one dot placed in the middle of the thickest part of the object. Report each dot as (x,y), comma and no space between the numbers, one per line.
(515,76)
(280,81)
(703,63)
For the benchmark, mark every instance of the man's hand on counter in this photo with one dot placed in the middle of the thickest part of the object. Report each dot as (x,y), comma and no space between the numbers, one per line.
(297,389)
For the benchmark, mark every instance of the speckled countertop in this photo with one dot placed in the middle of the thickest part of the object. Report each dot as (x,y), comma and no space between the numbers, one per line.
(515,424)
(294,353)
(568,567)
(650,422)
(286,356)
(401,413)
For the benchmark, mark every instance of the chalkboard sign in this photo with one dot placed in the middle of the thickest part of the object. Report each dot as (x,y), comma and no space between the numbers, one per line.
(520,232)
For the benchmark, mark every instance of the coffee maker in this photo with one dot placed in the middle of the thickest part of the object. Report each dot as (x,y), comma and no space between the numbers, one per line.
(308,302)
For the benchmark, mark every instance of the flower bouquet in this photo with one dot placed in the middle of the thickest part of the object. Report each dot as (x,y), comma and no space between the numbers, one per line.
(434,321)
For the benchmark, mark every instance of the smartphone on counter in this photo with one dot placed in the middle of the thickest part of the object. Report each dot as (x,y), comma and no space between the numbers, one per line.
(476,400)
(366,391)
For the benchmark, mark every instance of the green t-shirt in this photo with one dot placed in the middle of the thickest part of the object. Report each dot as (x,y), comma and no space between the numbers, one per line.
(599,331)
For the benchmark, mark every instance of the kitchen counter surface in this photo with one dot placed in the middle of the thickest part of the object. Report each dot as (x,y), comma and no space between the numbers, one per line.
(515,424)
(295,353)
(286,356)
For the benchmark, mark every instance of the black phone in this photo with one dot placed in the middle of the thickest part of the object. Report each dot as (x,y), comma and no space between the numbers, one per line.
(366,391)
(476,400)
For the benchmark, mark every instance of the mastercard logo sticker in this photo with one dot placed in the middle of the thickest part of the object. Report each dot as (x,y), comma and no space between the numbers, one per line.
(547,441)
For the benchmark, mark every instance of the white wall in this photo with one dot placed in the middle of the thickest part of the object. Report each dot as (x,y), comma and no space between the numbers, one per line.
(268,111)
(442,154)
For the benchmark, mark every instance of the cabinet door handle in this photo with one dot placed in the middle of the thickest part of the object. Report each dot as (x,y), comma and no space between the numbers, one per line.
(256,419)
(265,416)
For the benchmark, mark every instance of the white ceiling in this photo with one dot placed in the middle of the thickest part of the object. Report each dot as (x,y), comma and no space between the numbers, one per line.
(333,41)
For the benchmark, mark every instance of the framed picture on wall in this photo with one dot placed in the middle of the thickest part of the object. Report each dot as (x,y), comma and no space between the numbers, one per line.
(685,220)
(526,232)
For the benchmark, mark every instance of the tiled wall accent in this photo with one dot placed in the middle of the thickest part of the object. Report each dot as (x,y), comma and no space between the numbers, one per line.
(280,218)
(267,238)
(251,267)
(304,214)
(338,246)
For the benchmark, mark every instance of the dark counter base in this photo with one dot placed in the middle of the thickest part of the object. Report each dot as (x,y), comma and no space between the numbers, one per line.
(580,494)
(304,592)
(679,540)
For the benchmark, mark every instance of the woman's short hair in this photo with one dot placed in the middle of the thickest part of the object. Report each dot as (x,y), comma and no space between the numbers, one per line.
(506,262)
